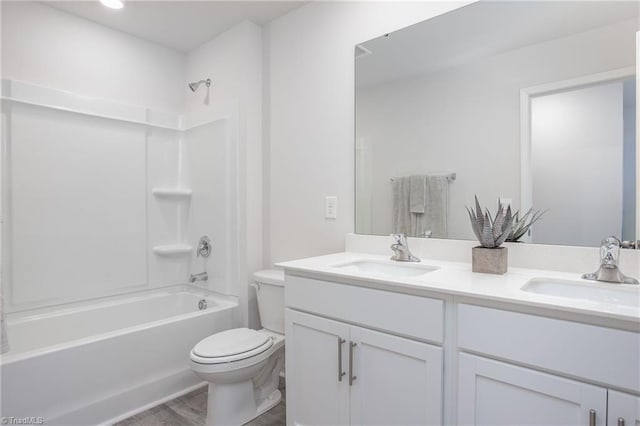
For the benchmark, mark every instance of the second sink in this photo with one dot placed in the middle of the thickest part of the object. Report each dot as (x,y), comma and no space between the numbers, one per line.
(619,294)
(392,269)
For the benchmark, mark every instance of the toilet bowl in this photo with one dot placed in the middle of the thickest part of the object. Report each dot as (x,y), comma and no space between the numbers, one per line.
(242,366)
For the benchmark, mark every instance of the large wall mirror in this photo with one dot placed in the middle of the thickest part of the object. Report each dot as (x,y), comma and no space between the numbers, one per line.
(530,102)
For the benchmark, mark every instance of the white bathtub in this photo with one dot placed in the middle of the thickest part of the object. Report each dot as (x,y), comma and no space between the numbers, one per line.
(104,360)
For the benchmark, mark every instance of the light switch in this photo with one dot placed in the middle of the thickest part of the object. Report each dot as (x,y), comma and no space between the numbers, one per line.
(331,207)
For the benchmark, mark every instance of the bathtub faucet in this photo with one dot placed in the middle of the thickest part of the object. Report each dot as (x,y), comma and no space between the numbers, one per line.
(202,276)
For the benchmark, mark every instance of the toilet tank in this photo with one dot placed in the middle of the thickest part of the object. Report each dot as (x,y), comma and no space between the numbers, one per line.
(270,291)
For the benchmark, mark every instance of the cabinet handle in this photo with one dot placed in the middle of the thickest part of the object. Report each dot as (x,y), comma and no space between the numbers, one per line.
(592,417)
(620,421)
(340,372)
(351,376)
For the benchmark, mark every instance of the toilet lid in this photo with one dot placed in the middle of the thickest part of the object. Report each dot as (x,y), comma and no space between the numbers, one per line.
(233,345)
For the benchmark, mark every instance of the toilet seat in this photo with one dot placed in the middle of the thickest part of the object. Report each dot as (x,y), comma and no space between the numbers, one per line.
(231,345)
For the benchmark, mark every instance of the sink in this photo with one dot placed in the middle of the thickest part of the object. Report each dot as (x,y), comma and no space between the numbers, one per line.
(391,269)
(618,294)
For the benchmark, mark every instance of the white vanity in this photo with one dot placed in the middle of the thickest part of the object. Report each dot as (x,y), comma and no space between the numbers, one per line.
(372,341)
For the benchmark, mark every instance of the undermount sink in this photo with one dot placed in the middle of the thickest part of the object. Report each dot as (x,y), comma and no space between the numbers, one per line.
(618,294)
(391,269)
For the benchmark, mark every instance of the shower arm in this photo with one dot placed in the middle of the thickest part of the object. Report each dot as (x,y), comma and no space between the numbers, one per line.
(196,84)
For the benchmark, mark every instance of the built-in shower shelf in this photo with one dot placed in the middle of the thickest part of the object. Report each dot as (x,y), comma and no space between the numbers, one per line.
(173,250)
(172,192)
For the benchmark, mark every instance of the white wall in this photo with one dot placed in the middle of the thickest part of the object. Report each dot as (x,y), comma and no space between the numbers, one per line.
(45,46)
(576,160)
(310,139)
(422,124)
(233,61)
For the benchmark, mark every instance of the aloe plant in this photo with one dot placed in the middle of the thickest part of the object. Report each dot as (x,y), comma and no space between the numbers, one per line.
(521,225)
(490,231)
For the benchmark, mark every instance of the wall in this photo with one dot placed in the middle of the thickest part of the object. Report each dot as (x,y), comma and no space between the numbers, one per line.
(311,126)
(412,126)
(45,46)
(233,61)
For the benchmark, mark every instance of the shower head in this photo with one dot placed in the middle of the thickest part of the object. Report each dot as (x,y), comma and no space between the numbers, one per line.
(194,86)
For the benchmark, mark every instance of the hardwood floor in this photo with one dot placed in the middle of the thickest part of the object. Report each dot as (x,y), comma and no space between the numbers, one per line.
(191,410)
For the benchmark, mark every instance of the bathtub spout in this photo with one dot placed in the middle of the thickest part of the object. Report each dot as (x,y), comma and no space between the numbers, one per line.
(203,276)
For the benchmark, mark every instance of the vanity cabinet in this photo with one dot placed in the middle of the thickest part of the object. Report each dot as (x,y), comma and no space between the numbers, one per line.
(492,392)
(342,374)
(496,393)
(362,356)
(315,393)
(624,409)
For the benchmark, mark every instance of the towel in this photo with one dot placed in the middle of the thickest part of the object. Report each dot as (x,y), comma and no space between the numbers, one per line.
(3,331)
(433,218)
(437,205)
(401,216)
(417,193)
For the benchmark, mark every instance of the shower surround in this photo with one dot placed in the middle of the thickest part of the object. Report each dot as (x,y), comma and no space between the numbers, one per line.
(103,204)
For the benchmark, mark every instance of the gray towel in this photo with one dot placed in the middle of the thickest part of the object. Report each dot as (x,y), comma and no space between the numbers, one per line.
(437,205)
(401,216)
(417,193)
(436,202)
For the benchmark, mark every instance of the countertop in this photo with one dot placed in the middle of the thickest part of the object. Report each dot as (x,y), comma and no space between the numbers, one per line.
(457,279)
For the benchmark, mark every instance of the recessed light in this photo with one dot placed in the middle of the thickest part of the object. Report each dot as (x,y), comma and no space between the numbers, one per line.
(112,4)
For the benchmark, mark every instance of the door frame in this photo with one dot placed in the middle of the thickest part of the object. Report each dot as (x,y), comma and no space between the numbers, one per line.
(526,95)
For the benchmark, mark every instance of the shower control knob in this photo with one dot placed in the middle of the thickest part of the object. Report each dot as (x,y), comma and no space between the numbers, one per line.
(204,247)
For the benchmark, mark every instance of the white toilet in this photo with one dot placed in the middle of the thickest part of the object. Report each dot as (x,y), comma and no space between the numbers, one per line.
(242,365)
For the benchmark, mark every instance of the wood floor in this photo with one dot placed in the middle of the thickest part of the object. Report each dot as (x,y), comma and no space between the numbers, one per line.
(191,409)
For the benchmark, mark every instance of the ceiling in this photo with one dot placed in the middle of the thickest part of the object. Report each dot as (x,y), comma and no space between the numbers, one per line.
(478,30)
(178,24)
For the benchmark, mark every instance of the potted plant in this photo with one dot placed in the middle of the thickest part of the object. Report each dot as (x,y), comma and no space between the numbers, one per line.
(521,225)
(491,232)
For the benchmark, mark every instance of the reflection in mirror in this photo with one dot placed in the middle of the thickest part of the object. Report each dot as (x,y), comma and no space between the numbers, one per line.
(529,102)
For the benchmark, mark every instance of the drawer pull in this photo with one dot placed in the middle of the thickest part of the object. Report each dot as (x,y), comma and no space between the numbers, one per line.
(620,421)
(351,376)
(340,372)
(592,417)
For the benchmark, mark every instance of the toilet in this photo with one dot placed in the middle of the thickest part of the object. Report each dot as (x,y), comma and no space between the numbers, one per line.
(242,366)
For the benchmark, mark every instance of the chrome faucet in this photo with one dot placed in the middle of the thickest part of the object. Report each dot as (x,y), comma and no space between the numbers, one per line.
(202,276)
(609,270)
(401,249)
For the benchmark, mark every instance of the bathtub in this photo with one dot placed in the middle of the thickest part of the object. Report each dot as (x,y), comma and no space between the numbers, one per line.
(97,362)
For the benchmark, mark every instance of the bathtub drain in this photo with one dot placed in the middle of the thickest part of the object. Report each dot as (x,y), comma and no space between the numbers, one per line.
(202,304)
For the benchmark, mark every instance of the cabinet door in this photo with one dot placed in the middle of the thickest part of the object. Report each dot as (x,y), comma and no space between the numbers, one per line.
(397,381)
(624,409)
(494,393)
(315,393)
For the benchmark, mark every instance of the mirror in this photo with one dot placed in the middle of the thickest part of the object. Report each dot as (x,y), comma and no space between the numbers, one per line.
(532,103)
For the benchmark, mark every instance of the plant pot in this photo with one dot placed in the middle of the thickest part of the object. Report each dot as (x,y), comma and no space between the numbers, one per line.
(489,260)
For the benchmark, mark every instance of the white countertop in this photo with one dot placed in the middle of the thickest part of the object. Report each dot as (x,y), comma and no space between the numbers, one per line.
(456,279)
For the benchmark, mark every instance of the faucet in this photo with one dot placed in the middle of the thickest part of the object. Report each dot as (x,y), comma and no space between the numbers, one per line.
(202,276)
(609,270)
(401,249)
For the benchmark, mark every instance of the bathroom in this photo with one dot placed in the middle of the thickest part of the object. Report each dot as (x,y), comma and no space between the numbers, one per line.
(170,169)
